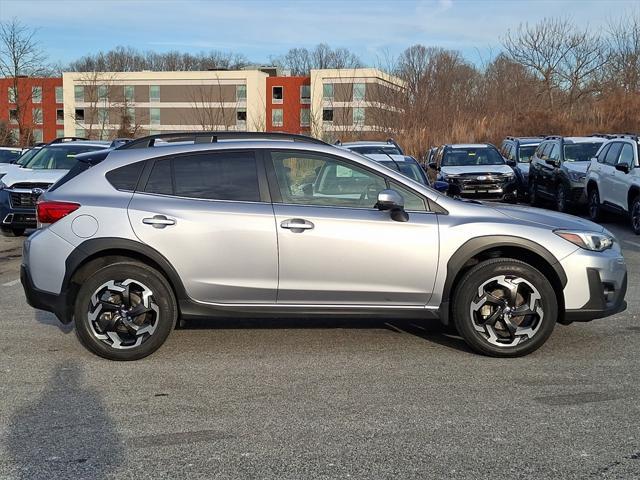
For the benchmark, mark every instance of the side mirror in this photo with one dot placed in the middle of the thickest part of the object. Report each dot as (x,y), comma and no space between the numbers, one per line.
(392,201)
(622,167)
(433,165)
(511,163)
(441,186)
(551,161)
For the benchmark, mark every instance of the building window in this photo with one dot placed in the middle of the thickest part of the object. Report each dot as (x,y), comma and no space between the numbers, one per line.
(277,94)
(327,115)
(36,94)
(103,92)
(359,90)
(327,91)
(154,93)
(305,117)
(277,119)
(12,95)
(79,114)
(241,116)
(129,93)
(154,132)
(103,116)
(78,93)
(80,132)
(358,116)
(37,135)
(305,93)
(241,92)
(59,95)
(60,133)
(59,115)
(154,116)
(13,115)
(37,116)
(131,115)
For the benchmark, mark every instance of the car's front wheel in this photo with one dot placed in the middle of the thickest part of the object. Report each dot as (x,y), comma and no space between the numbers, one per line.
(125,311)
(533,194)
(504,308)
(562,198)
(635,215)
(595,209)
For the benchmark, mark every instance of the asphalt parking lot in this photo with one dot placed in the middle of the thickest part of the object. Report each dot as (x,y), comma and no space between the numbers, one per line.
(287,399)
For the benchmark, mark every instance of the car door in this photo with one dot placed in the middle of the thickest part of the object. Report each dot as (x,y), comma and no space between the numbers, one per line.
(210,216)
(537,163)
(620,179)
(607,174)
(548,170)
(335,247)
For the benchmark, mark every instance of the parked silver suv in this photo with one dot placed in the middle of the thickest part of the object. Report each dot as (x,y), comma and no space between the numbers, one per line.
(217,224)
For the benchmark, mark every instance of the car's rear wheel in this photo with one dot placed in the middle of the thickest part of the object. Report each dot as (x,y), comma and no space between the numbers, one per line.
(125,311)
(504,308)
(635,215)
(595,209)
(562,198)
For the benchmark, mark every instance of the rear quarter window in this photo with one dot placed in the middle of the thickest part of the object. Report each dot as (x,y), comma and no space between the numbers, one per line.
(125,178)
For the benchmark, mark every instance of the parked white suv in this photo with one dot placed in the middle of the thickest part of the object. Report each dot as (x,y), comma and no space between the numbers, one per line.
(613,179)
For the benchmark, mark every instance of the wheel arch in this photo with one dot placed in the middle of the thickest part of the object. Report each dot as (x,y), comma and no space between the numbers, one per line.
(102,251)
(633,193)
(592,184)
(479,249)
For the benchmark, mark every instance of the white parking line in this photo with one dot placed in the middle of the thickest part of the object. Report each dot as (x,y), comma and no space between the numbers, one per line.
(11,284)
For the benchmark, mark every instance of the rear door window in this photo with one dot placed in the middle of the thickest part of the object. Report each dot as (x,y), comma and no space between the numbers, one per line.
(603,153)
(612,155)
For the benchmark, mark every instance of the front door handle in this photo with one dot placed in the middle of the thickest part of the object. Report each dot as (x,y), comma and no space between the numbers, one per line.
(296,225)
(158,221)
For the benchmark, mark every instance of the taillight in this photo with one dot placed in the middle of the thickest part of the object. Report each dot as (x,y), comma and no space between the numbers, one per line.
(50,212)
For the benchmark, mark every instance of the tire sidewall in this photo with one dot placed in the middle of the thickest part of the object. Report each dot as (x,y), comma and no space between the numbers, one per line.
(467,290)
(634,205)
(594,196)
(162,294)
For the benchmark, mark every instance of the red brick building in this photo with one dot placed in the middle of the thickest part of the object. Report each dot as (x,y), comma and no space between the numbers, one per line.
(288,104)
(32,108)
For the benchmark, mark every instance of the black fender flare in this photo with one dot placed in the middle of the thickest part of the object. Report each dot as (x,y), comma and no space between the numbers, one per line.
(477,245)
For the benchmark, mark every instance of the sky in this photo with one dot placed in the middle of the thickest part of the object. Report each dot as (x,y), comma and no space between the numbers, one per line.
(261,29)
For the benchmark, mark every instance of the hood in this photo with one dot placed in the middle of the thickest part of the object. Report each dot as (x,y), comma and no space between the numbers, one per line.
(26,175)
(546,218)
(383,157)
(479,169)
(8,167)
(577,166)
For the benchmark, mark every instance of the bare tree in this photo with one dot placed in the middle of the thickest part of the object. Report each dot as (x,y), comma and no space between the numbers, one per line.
(20,55)
(301,60)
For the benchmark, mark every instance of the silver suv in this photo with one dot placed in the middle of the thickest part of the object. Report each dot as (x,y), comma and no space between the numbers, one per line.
(220,224)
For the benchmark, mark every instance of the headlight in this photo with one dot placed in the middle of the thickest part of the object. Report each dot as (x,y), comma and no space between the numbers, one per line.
(509,176)
(594,241)
(577,176)
(446,177)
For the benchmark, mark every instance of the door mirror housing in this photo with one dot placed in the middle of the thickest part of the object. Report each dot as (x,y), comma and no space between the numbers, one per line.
(552,162)
(622,167)
(511,163)
(392,201)
(441,186)
(433,165)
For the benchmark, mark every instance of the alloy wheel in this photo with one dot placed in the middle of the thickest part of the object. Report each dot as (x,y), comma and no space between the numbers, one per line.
(635,216)
(507,310)
(123,314)
(594,205)
(561,200)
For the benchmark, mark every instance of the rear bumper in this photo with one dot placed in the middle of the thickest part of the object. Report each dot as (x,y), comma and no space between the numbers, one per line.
(42,300)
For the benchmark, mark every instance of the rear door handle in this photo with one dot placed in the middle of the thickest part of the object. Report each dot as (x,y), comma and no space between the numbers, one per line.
(158,221)
(296,224)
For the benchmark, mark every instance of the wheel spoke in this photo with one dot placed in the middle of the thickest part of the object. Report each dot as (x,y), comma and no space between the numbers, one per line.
(138,310)
(493,318)
(109,306)
(521,311)
(126,296)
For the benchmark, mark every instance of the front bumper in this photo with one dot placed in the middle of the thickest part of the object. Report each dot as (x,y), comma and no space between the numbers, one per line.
(42,300)
(15,217)
(490,189)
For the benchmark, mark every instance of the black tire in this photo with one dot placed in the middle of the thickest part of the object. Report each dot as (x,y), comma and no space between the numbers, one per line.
(12,232)
(466,298)
(163,317)
(562,198)
(593,205)
(635,215)
(533,195)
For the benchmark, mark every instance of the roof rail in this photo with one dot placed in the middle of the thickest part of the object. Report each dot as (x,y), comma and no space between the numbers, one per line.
(395,144)
(553,137)
(337,142)
(116,142)
(632,136)
(213,137)
(65,139)
(603,135)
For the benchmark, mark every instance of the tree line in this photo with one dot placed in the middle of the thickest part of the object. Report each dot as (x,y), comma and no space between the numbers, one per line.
(549,77)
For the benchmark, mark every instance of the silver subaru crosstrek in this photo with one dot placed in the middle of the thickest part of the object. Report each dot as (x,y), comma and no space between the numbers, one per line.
(218,224)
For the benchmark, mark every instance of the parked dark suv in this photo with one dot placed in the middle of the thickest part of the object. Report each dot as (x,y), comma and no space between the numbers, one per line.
(520,150)
(559,169)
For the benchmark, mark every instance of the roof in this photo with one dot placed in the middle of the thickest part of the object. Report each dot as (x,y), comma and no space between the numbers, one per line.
(364,143)
(470,145)
(594,139)
(96,143)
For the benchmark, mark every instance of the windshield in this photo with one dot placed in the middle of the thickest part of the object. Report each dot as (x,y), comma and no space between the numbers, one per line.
(408,169)
(466,157)
(526,152)
(59,157)
(580,152)
(376,150)
(9,156)
(26,157)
